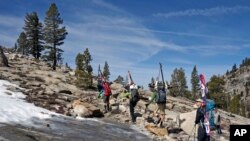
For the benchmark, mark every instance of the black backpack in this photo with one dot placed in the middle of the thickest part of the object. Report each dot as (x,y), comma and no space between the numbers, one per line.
(161,96)
(134,95)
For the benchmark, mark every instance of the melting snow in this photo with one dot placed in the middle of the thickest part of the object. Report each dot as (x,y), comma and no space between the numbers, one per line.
(15,110)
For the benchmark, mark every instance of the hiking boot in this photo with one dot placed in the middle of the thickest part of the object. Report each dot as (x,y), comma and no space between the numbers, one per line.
(133,121)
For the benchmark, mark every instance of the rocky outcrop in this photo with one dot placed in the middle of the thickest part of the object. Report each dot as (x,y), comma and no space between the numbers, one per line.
(55,90)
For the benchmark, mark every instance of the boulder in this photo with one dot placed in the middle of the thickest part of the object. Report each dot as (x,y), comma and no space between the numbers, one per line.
(3,59)
(72,73)
(169,106)
(122,108)
(115,109)
(84,109)
(112,102)
(13,57)
(157,130)
(141,104)
(174,135)
(152,107)
(81,111)
(187,122)
(116,86)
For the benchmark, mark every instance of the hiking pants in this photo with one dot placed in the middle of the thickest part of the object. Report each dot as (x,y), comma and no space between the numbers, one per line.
(106,101)
(202,135)
(132,104)
(218,129)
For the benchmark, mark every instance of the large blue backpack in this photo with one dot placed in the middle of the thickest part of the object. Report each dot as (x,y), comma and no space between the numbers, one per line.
(210,105)
(161,96)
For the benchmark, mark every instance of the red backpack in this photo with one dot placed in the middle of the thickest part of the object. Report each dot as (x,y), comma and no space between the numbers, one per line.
(107,90)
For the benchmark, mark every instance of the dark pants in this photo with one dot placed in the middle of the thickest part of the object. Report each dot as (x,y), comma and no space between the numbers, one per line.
(106,101)
(132,104)
(218,129)
(202,135)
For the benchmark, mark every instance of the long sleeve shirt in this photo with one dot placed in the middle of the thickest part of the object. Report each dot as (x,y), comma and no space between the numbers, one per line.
(199,115)
(153,97)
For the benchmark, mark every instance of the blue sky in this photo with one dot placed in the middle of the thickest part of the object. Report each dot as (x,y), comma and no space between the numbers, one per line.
(136,35)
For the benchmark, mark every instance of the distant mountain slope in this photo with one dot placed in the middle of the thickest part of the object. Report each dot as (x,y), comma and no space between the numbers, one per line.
(237,86)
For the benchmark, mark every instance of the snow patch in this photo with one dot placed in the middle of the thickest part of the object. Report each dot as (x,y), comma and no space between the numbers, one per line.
(15,110)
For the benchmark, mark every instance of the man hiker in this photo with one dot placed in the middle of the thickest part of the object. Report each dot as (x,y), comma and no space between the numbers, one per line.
(200,119)
(100,87)
(217,120)
(134,98)
(161,104)
(106,95)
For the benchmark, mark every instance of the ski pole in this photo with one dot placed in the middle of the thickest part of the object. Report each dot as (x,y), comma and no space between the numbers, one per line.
(191,132)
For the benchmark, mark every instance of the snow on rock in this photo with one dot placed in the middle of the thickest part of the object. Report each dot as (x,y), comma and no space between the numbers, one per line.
(15,110)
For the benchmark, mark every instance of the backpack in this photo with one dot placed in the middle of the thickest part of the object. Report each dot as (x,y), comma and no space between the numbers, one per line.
(99,85)
(210,105)
(107,90)
(161,96)
(134,95)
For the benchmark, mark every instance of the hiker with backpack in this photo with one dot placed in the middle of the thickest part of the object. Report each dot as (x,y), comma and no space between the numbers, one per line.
(100,88)
(104,90)
(134,97)
(106,95)
(201,121)
(159,96)
(100,83)
(217,119)
(160,100)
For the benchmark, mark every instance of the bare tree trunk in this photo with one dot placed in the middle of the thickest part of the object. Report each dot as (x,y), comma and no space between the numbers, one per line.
(54,57)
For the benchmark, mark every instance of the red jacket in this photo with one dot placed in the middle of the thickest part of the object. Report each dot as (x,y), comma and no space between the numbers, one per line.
(107,90)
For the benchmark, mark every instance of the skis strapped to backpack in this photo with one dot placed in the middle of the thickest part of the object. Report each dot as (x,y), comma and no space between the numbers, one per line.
(130,78)
(133,88)
(161,92)
(208,116)
(103,85)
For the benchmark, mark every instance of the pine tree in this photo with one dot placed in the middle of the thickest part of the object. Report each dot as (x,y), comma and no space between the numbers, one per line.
(87,66)
(234,68)
(119,80)
(54,35)
(86,62)
(216,91)
(79,72)
(178,82)
(183,82)
(22,44)
(79,61)
(195,82)
(83,70)
(106,72)
(33,31)
(174,82)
